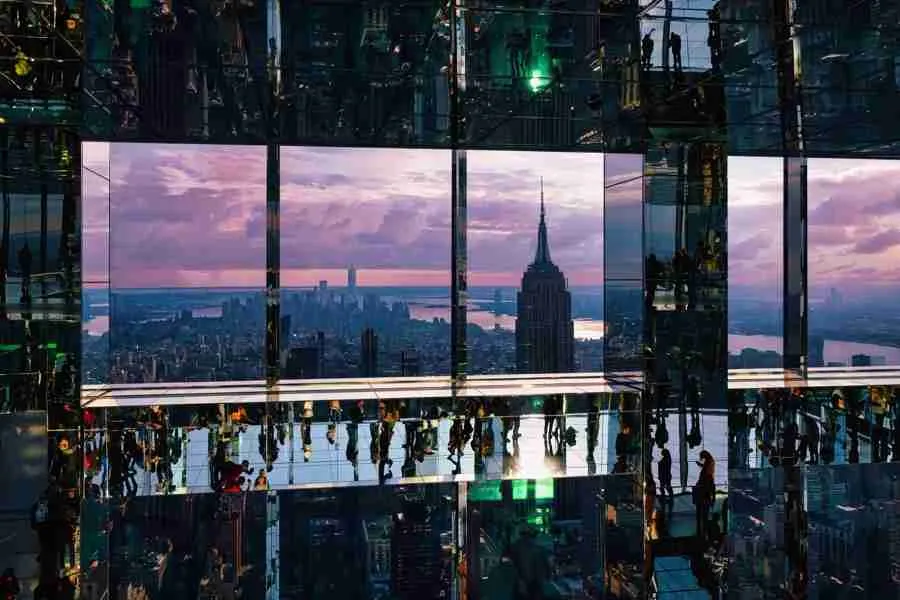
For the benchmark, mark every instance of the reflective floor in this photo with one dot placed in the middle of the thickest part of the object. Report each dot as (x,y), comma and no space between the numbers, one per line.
(322,454)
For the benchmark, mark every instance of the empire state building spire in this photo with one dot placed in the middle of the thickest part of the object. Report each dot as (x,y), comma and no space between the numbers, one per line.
(542,254)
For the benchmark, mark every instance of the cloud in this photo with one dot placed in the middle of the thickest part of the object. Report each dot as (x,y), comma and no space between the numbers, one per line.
(854,220)
(878,243)
(186,209)
(749,249)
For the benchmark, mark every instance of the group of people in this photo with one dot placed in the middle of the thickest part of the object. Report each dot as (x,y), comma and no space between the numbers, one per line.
(710,526)
(673,43)
(792,428)
(686,274)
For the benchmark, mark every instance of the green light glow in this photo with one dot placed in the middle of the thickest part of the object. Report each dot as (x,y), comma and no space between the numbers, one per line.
(520,489)
(543,489)
(486,491)
(538,81)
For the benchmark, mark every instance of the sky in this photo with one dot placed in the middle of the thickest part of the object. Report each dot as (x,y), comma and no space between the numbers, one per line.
(194,216)
(854,225)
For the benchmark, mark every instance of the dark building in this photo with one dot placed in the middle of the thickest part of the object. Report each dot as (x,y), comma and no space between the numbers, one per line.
(416,552)
(410,365)
(816,351)
(303,363)
(307,362)
(368,362)
(861,360)
(545,335)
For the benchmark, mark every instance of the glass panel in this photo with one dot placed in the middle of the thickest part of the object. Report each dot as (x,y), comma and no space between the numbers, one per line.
(755,202)
(365,262)
(533,77)
(549,535)
(623,239)
(854,244)
(849,69)
(187,263)
(176,71)
(852,529)
(756,526)
(183,449)
(95,185)
(535,250)
(356,73)
(823,425)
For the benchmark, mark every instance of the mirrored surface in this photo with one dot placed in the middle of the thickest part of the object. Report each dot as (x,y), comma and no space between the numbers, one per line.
(365,263)
(755,248)
(852,254)
(234,447)
(535,258)
(187,263)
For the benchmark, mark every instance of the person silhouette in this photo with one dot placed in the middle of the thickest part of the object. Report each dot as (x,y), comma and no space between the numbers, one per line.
(647,50)
(675,45)
(25,271)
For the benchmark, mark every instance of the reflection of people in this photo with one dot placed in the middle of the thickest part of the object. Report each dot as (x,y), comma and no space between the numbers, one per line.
(654,272)
(647,50)
(704,492)
(675,45)
(714,39)
(664,470)
(25,271)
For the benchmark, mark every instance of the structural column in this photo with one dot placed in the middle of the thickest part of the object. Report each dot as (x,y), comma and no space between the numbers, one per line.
(459,273)
(786,42)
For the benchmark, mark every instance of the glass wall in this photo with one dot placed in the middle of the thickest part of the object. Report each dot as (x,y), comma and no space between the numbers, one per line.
(535,257)
(187,263)
(854,244)
(365,262)
(755,248)
(95,190)
(159,450)
(853,529)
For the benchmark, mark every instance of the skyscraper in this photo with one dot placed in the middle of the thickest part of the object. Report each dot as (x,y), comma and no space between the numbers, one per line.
(545,336)
(415,554)
(351,278)
(368,363)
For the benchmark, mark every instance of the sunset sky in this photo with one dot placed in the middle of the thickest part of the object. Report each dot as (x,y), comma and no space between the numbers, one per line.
(194,216)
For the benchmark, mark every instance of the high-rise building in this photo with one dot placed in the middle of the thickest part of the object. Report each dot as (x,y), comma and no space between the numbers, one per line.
(351,279)
(368,356)
(816,351)
(545,334)
(410,364)
(860,360)
(416,554)
(303,363)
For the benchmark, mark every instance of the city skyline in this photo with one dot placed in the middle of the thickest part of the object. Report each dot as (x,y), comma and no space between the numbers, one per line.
(365,207)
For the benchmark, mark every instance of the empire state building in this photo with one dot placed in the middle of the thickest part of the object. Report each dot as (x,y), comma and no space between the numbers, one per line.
(545,335)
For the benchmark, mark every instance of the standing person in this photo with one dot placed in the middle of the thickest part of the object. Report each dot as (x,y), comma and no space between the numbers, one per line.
(25,271)
(664,470)
(675,45)
(704,492)
(647,50)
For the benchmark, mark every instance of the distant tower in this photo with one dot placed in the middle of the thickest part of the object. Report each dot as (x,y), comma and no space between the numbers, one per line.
(410,366)
(369,353)
(816,351)
(351,278)
(545,335)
